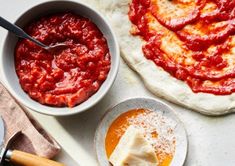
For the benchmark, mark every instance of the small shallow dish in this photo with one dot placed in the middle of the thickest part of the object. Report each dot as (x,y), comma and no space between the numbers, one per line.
(7,65)
(141,103)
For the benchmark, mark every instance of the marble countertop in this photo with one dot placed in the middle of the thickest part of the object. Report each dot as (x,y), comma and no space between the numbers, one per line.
(211,139)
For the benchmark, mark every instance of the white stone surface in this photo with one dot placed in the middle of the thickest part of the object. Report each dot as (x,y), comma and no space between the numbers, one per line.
(211,139)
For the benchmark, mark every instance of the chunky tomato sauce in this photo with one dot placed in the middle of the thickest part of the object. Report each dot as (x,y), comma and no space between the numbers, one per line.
(68,76)
(203,32)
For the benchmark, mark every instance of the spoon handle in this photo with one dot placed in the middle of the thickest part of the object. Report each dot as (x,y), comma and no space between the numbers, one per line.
(18,31)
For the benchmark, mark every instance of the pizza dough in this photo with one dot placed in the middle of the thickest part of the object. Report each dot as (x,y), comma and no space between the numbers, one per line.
(155,78)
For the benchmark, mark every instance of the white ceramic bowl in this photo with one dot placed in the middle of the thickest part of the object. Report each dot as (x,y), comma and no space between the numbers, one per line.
(138,103)
(7,66)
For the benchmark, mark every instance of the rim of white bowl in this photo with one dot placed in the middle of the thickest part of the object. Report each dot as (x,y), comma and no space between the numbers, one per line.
(103,127)
(54,111)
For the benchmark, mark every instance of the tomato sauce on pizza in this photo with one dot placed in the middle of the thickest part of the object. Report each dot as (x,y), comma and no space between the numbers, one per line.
(193,40)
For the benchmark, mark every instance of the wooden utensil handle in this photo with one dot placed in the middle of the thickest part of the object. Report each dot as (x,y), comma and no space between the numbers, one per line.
(26,159)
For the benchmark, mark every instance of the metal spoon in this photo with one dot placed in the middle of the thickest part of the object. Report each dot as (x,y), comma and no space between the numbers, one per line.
(20,33)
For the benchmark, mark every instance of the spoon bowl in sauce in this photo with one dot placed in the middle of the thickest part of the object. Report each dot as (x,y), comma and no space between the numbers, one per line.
(22,34)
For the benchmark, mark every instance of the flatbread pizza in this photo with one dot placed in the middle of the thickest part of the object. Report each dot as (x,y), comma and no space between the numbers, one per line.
(184,50)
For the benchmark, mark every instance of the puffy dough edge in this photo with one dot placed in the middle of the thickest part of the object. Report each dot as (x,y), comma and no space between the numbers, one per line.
(159,82)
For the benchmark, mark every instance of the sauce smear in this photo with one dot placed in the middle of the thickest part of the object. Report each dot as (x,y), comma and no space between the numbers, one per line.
(191,40)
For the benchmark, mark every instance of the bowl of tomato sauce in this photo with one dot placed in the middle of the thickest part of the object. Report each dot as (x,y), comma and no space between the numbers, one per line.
(67,80)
